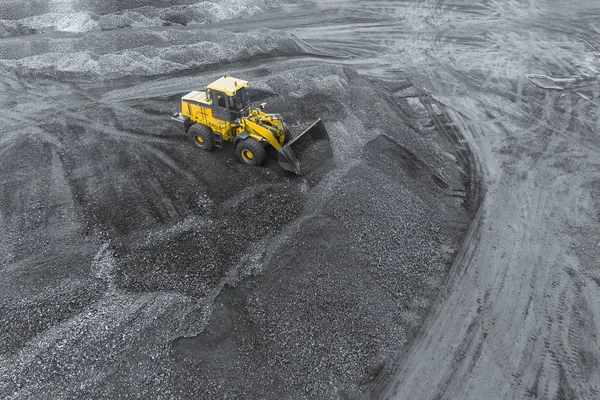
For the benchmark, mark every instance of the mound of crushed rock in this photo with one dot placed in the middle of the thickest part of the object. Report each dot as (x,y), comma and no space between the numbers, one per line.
(30,17)
(169,271)
(142,53)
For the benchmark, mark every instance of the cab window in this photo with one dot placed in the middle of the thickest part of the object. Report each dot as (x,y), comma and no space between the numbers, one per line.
(240,99)
(221,100)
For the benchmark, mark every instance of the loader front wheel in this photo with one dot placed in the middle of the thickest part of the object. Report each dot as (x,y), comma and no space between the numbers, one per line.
(250,152)
(202,136)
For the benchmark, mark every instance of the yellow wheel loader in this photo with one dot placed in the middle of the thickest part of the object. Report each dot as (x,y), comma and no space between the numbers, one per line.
(222,113)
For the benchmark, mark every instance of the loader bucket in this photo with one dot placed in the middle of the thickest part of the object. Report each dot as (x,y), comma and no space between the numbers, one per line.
(309,146)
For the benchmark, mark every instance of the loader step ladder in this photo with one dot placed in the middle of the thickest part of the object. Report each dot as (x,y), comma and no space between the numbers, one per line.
(218,139)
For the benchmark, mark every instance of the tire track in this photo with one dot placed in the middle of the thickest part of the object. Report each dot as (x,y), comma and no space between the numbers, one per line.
(524,275)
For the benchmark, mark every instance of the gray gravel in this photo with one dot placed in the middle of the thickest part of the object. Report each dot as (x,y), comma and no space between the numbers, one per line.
(135,266)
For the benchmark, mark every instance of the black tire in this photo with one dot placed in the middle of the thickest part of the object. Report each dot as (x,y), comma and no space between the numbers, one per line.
(250,152)
(202,136)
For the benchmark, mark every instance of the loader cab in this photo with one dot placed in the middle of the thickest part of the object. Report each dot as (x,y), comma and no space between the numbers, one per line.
(229,98)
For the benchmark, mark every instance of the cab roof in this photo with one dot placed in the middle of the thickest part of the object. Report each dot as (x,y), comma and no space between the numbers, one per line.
(228,85)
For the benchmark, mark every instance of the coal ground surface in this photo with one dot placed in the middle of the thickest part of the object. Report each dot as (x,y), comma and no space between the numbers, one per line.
(133,264)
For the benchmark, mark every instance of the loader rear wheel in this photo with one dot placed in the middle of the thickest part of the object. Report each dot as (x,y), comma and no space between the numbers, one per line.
(250,152)
(202,136)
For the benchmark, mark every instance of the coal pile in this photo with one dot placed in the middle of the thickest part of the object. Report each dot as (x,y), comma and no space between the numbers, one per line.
(133,263)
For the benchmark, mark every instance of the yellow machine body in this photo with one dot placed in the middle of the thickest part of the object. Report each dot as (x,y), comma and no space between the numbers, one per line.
(259,125)
(223,107)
